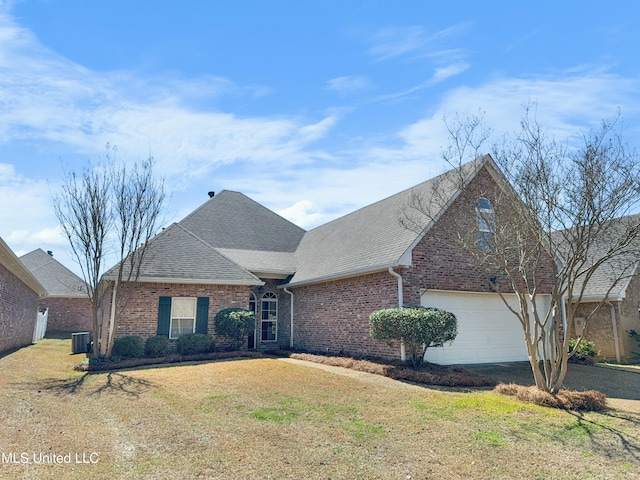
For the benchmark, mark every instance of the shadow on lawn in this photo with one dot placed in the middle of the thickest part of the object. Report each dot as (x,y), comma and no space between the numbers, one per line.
(628,448)
(115,382)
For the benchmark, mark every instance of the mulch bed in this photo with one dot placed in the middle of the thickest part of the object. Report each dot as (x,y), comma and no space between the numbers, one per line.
(426,374)
(104,364)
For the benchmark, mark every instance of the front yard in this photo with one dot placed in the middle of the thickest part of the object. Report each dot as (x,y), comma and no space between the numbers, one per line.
(276,419)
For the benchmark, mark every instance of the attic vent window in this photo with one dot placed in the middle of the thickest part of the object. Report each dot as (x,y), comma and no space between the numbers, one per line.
(486,220)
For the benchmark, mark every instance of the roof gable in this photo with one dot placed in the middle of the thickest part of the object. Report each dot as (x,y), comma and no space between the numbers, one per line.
(12,263)
(178,256)
(233,220)
(57,279)
(373,238)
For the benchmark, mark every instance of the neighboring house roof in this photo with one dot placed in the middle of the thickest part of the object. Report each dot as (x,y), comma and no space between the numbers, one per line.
(373,238)
(177,255)
(58,280)
(12,263)
(620,269)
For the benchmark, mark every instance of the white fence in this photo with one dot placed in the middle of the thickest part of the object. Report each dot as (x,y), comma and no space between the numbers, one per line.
(41,325)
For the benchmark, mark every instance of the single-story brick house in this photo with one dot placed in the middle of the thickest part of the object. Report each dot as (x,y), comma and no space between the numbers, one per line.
(67,302)
(608,324)
(19,295)
(314,290)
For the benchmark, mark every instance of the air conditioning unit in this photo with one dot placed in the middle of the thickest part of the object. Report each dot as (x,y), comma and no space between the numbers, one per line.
(80,342)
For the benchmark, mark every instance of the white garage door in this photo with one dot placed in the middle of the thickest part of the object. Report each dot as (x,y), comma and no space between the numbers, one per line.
(487,331)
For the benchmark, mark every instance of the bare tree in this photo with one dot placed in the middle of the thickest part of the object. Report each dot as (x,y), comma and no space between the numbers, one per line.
(565,203)
(138,200)
(109,208)
(84,211)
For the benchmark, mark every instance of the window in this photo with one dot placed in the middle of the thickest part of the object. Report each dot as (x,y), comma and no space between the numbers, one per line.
(252,303)
(183,317)
(486,220)
(269,317)
(176,316)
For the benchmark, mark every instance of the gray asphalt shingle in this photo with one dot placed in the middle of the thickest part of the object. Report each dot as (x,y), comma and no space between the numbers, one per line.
(232,220)
(372,238)
(57,279)
(177,255)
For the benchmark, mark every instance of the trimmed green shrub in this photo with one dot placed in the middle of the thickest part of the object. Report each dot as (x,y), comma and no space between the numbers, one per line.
(585,353)
(235,324)
(128,347)
(157,346)
(194,343)
(418,327)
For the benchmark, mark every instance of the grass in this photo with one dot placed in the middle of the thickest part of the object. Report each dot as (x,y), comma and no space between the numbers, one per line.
(273,419)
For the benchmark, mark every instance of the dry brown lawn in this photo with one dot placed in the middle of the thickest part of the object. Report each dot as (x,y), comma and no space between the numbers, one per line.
(275,419)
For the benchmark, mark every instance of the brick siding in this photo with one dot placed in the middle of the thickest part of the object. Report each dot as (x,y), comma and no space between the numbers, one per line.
(67,314)
(140,315)
(440,262)
(18,311)
(333,317)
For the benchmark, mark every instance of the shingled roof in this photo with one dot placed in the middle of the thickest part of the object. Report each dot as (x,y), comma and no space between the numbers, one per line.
(12,263)
(232,239)
(373,238)
(177,255)
(614,275)
(232,220)
(57,279)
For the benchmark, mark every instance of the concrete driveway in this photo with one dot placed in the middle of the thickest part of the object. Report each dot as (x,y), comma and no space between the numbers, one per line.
(620,385)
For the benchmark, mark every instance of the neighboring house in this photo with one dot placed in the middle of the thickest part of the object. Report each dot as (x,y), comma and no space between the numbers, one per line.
(67,302)
(315,290)
(19,295)
(617,284)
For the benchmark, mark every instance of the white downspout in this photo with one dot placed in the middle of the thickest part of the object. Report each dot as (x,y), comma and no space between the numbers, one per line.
(614,327)
(291,313)
(113,315)
(403,353)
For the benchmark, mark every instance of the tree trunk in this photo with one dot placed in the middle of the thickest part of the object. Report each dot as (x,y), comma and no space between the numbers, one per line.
(96,333)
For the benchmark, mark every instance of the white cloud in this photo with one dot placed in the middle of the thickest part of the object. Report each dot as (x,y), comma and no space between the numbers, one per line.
(45,97)
(442,73)
(566,106)
(303,213)
(392,42)
(349,84)
(416,42)
(27,208)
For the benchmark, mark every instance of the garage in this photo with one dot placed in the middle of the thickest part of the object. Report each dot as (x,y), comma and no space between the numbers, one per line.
(487,331)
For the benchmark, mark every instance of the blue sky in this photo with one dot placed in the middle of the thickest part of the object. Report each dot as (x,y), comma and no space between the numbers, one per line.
(313,108)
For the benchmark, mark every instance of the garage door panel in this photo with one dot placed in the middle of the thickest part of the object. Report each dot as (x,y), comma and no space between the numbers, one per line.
(487,330)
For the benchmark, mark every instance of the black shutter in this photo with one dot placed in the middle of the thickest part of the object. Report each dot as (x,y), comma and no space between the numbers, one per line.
(164,316)
(202,315)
